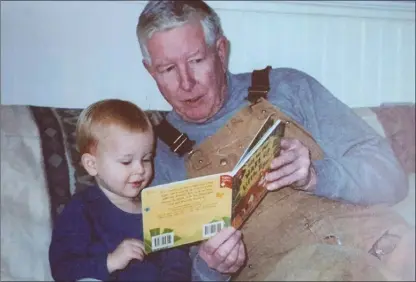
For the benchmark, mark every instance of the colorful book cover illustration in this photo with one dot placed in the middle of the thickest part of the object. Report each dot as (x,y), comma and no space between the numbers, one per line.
(196,209)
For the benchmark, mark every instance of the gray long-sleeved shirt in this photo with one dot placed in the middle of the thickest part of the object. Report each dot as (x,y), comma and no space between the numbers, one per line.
(358,167)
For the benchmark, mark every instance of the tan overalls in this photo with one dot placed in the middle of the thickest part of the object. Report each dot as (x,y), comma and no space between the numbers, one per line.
(296,236)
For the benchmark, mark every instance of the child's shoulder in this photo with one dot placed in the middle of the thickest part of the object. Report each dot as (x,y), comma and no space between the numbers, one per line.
(82,199)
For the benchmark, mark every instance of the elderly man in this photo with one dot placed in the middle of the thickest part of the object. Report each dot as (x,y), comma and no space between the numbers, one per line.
(185,51)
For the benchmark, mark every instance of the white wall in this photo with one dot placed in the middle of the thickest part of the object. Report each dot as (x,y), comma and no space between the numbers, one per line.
(71,54)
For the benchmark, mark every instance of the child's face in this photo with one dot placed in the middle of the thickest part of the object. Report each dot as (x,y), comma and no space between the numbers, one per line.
(123,161)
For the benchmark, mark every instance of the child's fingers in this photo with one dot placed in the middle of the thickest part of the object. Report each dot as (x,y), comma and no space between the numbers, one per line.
(138,253)
(141,246)
(137,243)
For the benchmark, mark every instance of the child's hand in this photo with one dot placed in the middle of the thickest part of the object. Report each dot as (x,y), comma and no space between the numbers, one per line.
(127,250)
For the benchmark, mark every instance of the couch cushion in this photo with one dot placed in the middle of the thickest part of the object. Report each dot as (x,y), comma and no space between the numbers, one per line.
(406,208)
(25,213)
(370,117)
(399,126)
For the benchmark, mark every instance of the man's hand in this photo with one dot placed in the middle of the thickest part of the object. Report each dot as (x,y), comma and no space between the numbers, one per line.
(292,167)
(127,250)
(225,251)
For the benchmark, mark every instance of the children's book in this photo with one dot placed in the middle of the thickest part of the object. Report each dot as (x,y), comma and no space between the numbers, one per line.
(196,209)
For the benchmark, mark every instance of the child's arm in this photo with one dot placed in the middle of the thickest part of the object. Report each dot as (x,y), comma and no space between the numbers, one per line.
(176,264)
(72,253)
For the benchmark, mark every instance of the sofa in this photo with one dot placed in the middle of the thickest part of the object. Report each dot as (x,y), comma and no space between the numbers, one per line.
(40,171)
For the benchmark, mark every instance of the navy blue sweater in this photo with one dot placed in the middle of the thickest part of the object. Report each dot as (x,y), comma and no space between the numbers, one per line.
(90,227)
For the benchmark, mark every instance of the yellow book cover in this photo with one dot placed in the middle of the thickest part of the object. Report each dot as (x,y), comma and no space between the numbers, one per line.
(196,209)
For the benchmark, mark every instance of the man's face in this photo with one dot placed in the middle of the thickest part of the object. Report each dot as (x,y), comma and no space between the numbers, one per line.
(189,73)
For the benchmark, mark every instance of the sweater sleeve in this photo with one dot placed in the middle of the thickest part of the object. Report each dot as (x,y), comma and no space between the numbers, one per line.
(72,253)
(201,271)
(359,165)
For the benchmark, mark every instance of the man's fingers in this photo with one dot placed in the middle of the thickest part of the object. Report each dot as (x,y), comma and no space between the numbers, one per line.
(239,260)
(285,157)
(223,252)
(230,260)
(211,246)
(282,182)
(281,172)
(288,143)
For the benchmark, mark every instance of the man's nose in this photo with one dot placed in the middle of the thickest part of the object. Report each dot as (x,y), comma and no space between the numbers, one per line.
(186,77)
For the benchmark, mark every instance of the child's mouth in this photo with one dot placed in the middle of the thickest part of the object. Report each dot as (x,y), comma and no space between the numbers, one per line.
(136,184)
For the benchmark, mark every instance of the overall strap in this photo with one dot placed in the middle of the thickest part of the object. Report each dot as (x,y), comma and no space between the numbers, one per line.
(177,141)
(180,143)
(260,85)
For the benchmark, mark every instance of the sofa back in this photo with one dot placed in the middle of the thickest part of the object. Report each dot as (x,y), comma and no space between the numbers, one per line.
(65,175)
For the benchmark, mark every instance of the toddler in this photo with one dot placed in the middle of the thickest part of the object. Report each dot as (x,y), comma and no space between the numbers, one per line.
(99,233)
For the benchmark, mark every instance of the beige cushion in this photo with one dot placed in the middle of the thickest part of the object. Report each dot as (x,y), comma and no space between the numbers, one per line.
(406,208)
(371,118)
(25,214)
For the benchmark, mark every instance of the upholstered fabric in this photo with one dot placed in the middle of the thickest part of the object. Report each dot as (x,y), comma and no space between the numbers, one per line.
(398,122)
(25,213)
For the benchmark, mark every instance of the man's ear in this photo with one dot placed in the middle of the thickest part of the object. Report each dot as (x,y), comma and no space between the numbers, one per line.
(148,67)
(89,163)
(222,46)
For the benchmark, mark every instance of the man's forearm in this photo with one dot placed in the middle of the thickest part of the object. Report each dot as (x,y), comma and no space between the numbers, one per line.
(370,176)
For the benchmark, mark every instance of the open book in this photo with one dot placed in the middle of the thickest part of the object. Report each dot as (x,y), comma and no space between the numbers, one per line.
(196,209)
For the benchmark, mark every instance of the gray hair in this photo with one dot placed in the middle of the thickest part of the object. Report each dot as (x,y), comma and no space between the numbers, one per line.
(165,15)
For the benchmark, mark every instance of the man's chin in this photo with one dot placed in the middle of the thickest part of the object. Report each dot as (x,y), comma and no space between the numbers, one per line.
(195,116)
(198,118)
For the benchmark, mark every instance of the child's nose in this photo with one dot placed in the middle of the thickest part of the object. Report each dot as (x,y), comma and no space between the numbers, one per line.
(138,167)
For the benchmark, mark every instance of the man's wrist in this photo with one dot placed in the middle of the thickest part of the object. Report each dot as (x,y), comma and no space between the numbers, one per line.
(310,186)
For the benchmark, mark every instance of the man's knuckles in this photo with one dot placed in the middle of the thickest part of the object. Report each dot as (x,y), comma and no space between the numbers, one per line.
(221,255)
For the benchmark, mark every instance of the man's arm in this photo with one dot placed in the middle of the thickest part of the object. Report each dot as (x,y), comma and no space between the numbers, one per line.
(359,166)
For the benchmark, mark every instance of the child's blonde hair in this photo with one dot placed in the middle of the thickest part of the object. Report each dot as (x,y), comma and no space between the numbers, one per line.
(105,113)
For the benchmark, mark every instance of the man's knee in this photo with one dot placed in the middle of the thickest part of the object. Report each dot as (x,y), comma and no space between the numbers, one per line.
(325,262)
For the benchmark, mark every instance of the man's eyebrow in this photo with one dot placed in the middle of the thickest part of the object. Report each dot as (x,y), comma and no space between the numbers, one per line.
(193,53)
(168,62)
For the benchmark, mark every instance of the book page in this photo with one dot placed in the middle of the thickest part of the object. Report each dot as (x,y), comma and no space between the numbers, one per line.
(186,211)
(249,182)
(262,131)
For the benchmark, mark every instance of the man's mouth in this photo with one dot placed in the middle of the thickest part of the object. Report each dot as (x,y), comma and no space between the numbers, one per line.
(193,100)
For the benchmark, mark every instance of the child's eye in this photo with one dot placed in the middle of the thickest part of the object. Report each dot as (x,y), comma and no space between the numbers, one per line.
(147,160)
(126,162)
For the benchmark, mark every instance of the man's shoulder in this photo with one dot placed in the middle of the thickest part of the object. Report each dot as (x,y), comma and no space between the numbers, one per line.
(275,72)
(276,75)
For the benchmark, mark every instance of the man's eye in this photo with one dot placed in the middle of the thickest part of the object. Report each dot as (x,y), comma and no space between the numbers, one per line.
(168,69)
(147,160)
(196,60)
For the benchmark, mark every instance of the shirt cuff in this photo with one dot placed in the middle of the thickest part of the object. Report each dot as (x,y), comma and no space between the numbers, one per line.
(201,271)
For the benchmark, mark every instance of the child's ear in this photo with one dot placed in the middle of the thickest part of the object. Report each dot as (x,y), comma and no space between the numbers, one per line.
(88,161)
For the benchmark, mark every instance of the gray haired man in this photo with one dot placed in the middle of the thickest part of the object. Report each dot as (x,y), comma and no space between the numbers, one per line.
(185,51)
